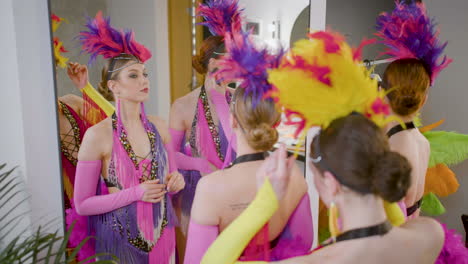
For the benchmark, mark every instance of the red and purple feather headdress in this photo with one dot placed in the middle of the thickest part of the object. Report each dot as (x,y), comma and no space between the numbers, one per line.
(248,64)
(408,32)
(102,39)
(221,16)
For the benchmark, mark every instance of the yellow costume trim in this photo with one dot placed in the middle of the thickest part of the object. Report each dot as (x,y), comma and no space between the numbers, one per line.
(394,214)
(232,241)
(97,98)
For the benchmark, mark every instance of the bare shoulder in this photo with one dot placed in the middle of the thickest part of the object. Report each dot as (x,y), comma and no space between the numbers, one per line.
(188,100)
(205,210)
(161,126)
(298,184)
(428,229)
(96,141)
(73,101)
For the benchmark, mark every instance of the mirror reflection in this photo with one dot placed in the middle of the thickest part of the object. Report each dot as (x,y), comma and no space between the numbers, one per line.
(156,186)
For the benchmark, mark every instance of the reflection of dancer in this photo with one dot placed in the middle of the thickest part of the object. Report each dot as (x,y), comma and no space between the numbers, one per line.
(202,138)
(353,166)
(135,220)
(75,117)
(411,38)
(289,233)
(72,126)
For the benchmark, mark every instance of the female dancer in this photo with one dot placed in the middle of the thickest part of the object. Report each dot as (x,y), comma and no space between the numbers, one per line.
(289,233)
(134,220)
(411,38)
(199,121)
(73,117)
(353,166)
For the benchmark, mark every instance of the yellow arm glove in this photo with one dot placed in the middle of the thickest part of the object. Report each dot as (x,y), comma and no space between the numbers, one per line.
(232,241)
(97,98)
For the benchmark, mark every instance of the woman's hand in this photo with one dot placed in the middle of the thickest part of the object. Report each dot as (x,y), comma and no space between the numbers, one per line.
(78,74)
(278,169)
(175,182)
(154,191)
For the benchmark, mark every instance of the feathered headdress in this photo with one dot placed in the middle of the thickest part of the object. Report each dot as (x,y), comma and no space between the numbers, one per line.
(248,64)
(56,21)
(221,16)
(102,39)
(408,32)
(60,60)
(322,79)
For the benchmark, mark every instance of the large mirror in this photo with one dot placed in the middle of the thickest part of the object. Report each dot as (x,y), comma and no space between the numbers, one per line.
(274,25)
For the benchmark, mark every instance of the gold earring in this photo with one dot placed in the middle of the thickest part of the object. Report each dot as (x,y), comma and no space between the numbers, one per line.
(333,221)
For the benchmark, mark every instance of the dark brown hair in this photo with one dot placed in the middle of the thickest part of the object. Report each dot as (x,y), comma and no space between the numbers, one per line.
(207,51)
(409,80)
(257,123)
(103,89)
(357,153)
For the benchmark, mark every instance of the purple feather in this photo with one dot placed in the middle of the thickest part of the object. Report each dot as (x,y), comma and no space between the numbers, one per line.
(102,39)
(248,64)
(408,32)
(221,16)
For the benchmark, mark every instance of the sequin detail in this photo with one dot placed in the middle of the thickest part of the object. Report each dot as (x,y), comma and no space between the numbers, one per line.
(138,241)
(64,145)
(211,125)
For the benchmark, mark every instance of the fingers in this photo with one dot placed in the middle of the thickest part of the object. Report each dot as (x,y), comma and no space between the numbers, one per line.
(155,200)
(152,181)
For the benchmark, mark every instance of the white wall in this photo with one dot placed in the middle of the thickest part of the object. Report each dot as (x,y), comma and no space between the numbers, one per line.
(448,96)
(12,136)
(318,9)
(27,109)
(268,11)
(355,19)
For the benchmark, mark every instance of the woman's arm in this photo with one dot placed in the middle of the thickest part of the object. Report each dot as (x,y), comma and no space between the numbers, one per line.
(204,221)
(88,172)
(232,241)
(177,132)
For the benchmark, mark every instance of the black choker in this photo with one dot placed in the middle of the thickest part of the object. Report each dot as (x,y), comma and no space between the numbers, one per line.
(249,157)
(399,128)
(375,230)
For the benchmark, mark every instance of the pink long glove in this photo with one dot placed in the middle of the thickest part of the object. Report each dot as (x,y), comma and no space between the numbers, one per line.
(86,200)
(200,238)
(185,162)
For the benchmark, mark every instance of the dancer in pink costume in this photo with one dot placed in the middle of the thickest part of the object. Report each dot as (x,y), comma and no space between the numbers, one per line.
(135,221)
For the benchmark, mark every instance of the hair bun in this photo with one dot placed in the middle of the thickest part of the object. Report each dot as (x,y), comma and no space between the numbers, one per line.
(392,176)
(262,137)
(198,65)
(105,91)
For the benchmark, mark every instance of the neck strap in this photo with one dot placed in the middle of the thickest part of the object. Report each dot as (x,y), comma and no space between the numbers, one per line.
(398,128)
(375,230)
(249,157)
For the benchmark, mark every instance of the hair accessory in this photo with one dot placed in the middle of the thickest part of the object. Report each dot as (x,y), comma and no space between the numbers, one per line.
(221,16)
(408,32)
(102,39)
(248,64)
(56,21)
(321,79)
(60,60)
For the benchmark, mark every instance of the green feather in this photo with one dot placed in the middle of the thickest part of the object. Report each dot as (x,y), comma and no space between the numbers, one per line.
(418,120)
(448,148)
(431,205)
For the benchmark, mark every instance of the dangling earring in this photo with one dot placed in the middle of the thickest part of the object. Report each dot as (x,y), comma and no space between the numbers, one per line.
(333,221)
